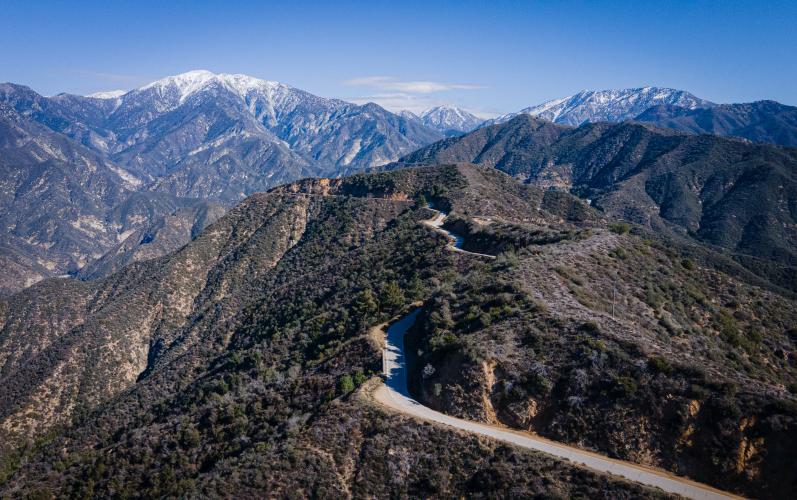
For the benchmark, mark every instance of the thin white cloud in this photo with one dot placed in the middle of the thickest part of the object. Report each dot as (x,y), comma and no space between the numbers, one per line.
(399,101)
(389,83)
(416,96)
(110,77)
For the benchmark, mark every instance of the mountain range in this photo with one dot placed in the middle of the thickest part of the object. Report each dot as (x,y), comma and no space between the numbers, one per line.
(118,168)
(246,360)
(722,191)
(606,105)
(244,134)
(180,143)
(761,121)
(615,271)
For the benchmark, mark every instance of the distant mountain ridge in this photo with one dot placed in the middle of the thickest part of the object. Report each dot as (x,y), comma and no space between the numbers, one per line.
(761,121)
(220,137)
(606,105)
(63,205)
(198,135)
(450,119)
(242,134)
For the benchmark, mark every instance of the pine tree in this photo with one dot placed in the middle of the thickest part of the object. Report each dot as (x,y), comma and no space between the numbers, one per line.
(392,297)
(415,288)
(366,306)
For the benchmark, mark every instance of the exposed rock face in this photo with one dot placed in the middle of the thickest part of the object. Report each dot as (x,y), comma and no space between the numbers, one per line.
(164,236)
(63,205)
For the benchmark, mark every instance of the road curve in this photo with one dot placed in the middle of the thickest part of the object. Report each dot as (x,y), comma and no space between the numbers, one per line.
(456,240)
(394,394)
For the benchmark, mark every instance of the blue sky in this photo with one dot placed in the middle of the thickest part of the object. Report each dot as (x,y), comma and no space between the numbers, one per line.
(487,56)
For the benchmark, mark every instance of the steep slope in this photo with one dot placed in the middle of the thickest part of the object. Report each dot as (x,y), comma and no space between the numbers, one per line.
(225,136)
(229,366)
(61,204)
(236,375)
(589,106)
(721,191)
(619,342)
(167,234)
(515,148)
(200,144)
(762,121)
(195,135)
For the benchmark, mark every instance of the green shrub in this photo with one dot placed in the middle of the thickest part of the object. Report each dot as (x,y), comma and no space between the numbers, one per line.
(620,227)
(345,384)
(627,385)
(658,364)
(189,437)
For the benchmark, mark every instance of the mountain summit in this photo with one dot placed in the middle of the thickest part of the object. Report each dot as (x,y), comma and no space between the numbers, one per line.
(606,105)
(197,135)
(448,119)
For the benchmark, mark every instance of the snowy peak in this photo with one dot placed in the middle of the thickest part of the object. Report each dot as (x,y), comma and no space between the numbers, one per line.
(409,115)
(186,84)
(450,118)
(608,105)
(110,94)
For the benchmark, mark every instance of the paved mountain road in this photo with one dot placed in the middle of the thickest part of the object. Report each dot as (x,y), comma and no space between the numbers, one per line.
(437,222)
(395,395)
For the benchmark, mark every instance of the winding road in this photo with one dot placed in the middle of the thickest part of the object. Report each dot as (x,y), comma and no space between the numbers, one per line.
(394,394)
(455,240)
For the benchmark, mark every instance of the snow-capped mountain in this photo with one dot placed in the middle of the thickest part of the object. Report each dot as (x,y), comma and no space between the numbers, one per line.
(81,174)
(606,105)
(224,136)
(450,119)
(405,113)
(110,94)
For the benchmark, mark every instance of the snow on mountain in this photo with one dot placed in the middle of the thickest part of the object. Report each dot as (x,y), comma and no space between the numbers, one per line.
(187,84)
(110,94)
(447,119)
(224,136)
(405,113)
(607,105)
